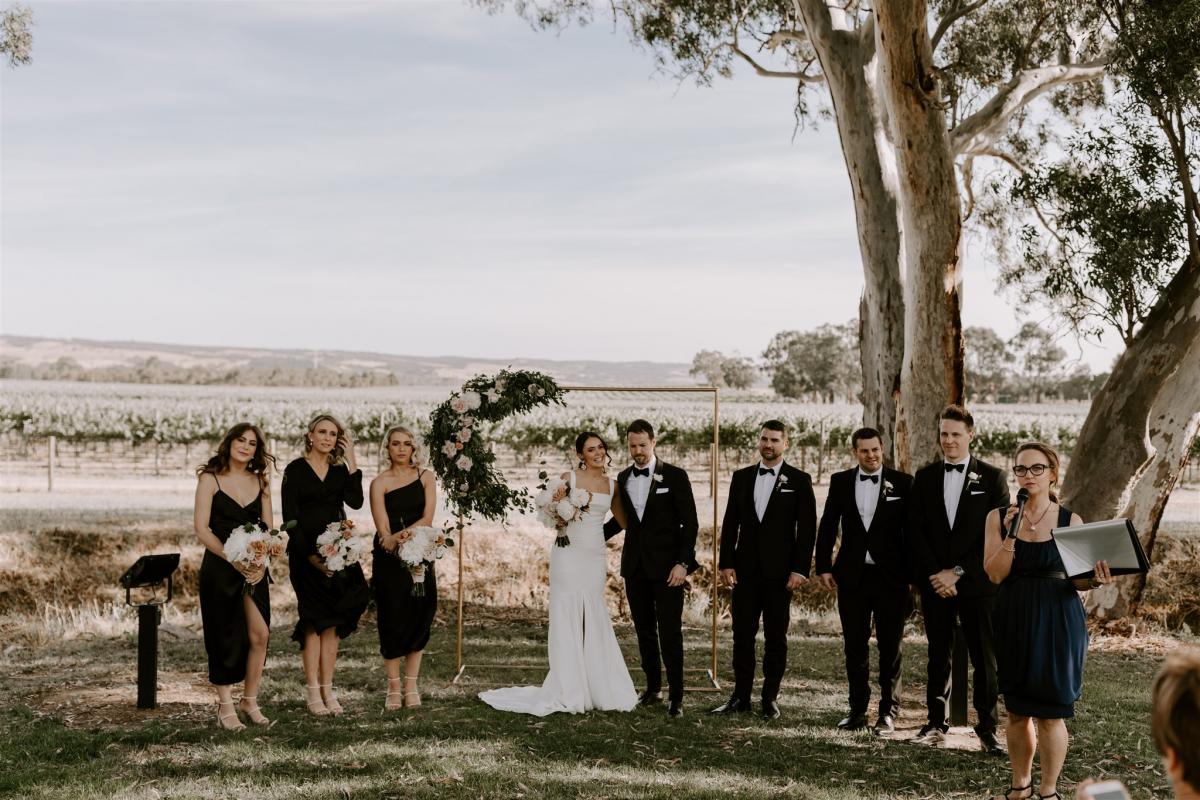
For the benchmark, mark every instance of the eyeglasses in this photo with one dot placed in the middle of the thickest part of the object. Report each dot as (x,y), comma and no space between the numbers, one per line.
(1036,469)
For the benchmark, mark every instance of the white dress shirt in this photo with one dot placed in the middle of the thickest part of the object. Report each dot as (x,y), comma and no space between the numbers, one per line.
(866,497)
(638,487)
(764,484)
(952,486)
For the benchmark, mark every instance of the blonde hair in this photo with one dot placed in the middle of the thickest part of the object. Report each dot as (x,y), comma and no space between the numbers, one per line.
(1051,457)
(418,454)
(1175,718)
(337,453)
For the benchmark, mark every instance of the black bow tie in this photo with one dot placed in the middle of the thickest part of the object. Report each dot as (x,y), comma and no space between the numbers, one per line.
(644,473)
(871,478)
(955,467)
(766,471)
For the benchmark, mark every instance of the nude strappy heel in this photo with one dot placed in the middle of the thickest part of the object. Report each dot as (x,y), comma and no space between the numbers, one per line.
(414,693)
(388,705)
(332,703)
(317,706)
(252,710)
(237,724)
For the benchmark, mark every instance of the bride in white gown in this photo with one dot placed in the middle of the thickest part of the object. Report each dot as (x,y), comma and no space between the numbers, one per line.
(587,670)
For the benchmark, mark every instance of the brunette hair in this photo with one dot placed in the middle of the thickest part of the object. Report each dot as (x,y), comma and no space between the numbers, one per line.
(640,426)
(777,426)
(418,454)
(1051,457)
(957,413)
(1175,719)
(336,454)
(260,463)
(582,439)
(864,433)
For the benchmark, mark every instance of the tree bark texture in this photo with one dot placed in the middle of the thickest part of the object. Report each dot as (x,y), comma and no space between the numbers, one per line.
(932,370)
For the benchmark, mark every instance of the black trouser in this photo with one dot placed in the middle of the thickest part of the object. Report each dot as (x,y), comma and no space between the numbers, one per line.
(755,596)
(873,596)
(975,613)
(657,611)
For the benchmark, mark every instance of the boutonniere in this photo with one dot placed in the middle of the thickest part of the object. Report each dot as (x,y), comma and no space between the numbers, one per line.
(781,482)
(887,487)
(973,477)
(658,478)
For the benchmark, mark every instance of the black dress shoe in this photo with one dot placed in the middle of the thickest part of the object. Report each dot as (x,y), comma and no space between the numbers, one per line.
(987,740)
(675,709)
(854,721)
(733,705)
(650,697)
(885,724)
(770,710)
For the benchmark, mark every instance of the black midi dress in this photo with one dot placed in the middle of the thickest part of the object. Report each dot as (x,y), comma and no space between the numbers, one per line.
(321,602)
(404,621)
(222,589)
(1041,633)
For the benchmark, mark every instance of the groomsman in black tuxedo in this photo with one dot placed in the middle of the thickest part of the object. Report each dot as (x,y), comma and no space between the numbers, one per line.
(766,551)
(870,574)
(950,501)
(658,554)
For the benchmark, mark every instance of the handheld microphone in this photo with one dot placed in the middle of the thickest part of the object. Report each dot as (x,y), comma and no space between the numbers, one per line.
(1022,497)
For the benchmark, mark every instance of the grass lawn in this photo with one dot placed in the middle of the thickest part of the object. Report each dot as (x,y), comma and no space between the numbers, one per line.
(70,730)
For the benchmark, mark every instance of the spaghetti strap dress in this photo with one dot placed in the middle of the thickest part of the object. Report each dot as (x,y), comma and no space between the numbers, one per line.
(321,602)
(1041,633)
(222,610)
(404,621)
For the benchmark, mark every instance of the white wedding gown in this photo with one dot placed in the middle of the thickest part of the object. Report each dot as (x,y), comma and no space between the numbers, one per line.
(587,670)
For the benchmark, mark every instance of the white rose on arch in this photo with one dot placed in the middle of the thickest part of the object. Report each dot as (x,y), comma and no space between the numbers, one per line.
(459,405)
(464,463)
(472,399)
(449,449)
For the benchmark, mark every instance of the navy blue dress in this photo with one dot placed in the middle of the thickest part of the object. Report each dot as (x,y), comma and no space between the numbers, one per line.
(1041,634)
(404,621)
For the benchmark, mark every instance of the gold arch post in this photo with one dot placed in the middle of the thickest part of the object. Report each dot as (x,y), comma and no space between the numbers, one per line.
(714,460)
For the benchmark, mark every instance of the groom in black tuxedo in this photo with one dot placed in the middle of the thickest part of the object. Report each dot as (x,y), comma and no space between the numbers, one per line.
(766,550)
(951,499)
(658,554)
(870,574)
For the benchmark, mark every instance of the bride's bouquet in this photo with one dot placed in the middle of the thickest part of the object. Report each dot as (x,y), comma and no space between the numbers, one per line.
(558,505)
(253,546)
(339,546)
(418,545)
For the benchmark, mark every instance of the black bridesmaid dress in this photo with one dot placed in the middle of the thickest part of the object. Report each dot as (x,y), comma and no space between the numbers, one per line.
(1041,633)
(226,635)
(322,603)
(404,621)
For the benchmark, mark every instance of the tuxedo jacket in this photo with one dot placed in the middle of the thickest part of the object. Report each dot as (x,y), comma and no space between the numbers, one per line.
(884,539)
(666,533)
(935,545)
(782,542)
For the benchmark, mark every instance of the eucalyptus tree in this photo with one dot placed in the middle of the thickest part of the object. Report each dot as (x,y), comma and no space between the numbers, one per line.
(16,36)
(918,94)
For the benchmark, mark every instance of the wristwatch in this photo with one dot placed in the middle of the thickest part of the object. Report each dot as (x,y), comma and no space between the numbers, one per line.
(958,572)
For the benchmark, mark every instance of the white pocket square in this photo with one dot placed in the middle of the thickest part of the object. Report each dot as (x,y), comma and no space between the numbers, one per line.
(976,493)
(892,499)
(785,491)
(661,491)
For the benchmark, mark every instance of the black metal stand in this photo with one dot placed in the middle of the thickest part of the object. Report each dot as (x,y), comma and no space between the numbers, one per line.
(149,616)
(958,678)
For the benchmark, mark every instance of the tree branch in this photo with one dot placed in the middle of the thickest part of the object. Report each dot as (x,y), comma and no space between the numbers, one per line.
(801,76)
(977,132)
(779,37)
(951,18)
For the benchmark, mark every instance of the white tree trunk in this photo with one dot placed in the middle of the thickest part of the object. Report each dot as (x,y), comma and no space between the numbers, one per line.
(932,371)
(848,64)
(1174,423)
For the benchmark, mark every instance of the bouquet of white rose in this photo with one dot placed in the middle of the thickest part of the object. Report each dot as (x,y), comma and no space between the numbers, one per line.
(558,505)
(340,547)
(253,546)
(418,545)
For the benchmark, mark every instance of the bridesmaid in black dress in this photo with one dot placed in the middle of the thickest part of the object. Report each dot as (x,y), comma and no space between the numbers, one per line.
(402,496)
(1041,636)
(232,489)
(314,490)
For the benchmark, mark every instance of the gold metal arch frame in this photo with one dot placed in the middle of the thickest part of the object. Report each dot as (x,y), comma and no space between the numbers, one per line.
(711,683)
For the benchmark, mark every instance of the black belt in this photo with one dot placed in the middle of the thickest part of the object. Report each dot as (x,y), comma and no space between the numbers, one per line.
(1057,574)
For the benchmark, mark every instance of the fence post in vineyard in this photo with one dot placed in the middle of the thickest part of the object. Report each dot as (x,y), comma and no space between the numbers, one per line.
(157,436)
(821,451)
(50,448)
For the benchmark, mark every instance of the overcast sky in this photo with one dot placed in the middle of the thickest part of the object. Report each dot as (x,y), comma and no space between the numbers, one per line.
(413,177)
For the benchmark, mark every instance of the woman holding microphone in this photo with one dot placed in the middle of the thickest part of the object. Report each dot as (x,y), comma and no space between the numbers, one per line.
(1041,638)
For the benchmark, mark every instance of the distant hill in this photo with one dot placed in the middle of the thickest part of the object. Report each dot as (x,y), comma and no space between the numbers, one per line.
(148,362)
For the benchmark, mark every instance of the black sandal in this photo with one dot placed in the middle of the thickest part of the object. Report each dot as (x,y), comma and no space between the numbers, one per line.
(1012,789)
(1047,796)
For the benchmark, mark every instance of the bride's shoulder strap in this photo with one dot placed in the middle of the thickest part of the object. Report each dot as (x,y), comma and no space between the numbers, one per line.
(611,486)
